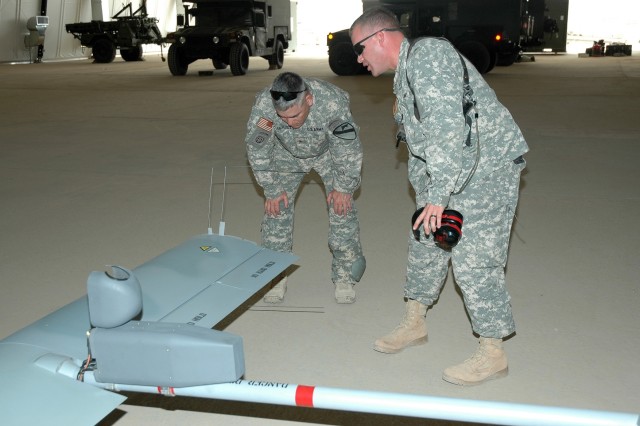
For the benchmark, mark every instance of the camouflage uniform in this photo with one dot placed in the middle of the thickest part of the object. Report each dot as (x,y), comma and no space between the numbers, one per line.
(280,156)
(443,155)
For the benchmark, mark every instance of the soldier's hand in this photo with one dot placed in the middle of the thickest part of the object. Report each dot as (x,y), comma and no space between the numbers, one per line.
(272,205)
(431,217)
(340,201)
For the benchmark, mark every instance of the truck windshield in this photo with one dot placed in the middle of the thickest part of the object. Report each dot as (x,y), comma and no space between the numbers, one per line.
(216,16)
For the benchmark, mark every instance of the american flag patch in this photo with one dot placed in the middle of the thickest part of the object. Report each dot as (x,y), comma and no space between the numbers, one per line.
(265,124)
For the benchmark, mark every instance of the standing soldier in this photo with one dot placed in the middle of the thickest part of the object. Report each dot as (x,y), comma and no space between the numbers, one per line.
(297,125)
(466,155)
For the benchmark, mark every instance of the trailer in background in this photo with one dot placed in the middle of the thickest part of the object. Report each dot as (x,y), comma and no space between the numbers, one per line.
(127,32)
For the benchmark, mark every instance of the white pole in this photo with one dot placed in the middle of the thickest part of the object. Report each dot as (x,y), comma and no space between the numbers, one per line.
(499,413)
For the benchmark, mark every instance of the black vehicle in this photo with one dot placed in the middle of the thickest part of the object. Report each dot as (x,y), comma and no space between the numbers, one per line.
(228,32)
(487,32)
(126,32)
(544,26)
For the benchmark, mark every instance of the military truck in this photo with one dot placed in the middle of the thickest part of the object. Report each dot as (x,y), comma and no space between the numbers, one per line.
(487,32)
(127,32)
(228,32)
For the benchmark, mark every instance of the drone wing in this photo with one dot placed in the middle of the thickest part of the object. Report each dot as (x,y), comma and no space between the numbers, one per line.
(30,395)
(203,280)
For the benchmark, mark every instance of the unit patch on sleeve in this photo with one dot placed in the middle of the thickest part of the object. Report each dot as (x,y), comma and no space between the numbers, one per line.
(345,131)
(265,124)
(258,137)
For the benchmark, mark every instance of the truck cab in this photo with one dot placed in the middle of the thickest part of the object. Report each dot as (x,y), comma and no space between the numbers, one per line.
(485,32)
(228,32)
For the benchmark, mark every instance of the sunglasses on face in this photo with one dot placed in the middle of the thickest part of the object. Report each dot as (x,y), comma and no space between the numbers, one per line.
(359,48)
(287,96)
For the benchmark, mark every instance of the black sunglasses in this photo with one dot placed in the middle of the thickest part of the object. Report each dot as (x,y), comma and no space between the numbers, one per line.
(359,48)
(287,96)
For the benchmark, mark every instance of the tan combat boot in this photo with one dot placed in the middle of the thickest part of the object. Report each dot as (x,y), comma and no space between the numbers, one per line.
(276,294)
(411,331)
(488,362)
(345,293)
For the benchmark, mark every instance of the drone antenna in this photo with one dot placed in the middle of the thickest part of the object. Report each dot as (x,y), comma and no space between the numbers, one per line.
(224,190)
(209,229)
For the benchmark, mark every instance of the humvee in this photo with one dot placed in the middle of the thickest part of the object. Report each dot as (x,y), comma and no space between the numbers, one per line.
(228,32)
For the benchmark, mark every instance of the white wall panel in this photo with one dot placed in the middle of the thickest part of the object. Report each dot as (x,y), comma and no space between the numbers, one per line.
(70,11)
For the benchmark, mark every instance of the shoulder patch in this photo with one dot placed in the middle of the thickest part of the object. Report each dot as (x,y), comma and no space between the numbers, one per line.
(345,131)
(265,124)
(259,137)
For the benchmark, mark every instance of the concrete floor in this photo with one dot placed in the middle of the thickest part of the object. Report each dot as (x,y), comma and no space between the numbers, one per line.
(110,163)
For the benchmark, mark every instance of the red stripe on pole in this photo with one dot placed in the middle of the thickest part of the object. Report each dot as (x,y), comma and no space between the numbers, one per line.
(166,391)
(304,396)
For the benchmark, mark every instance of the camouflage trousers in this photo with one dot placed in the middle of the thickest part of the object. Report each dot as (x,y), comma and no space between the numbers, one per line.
(348,261)
(488,206)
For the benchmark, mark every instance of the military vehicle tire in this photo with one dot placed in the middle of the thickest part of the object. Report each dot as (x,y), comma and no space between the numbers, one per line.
(493,61)
(239,58)
(477,53)
(131,54)
(178,65)
(343,60)
(104,51)
(277,59)
(219,65)
(507,60)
